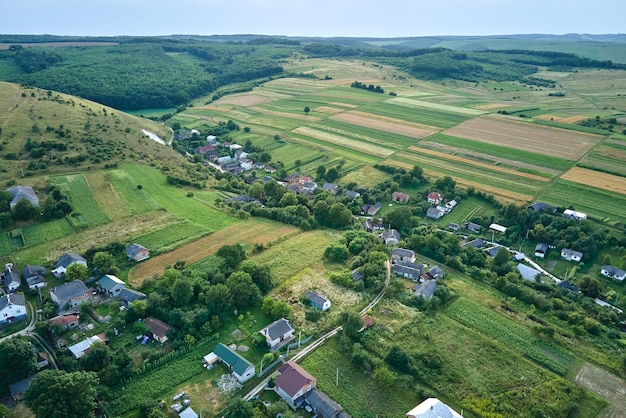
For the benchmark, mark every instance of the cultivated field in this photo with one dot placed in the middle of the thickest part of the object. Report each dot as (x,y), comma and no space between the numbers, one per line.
(378,123)
(341,141)
(253,231)
(606,385)
(418,104)
(596,179)
(524,136)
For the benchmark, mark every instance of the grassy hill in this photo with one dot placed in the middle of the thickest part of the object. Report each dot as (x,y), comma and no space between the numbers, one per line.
(45,132)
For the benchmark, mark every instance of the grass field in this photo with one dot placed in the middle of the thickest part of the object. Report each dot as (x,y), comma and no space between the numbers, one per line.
(395,126)
(136,200)
(345,142)
(365,176)
(425,116)
(87,211)
(108,199)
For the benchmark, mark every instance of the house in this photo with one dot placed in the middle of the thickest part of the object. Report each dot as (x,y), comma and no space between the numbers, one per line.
(211,139)
(269,169)
(498,228)
(17,389)
(293,383)
(434,198)
(158,329)
(426,289)
(11,278)
(369,225)
(309,186)
(65,321)
(352,194)
(528,273)
(613,272)
(433,408)
(435,273)
(188,413)
(234,147)
(408,270)
(34,276)
(568,286)
(472,227)
(242,155)
(70,295)
(476,243)
(373,209)
(318,300)
(573,215)
(368,322)
(356,275)
(23,192)
(541,249)
(434,213)
(492,251)
(111,285)
(400,197)
(12,308)
(278,333)
(65,261)
(331,187)
(83,347)
(241,368)
(247,165)
(137,252)
(401,254)
(128,296)
(453,226)
(323,406)
(541,207)
(571,255)
(451,205)
(390,236)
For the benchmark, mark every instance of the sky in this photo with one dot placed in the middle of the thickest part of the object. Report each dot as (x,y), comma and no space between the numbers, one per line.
(325,18)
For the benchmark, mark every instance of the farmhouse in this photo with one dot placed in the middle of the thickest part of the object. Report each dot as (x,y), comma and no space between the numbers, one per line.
(476,243)
(331,187)
(278,333)
(137,252)
(426,289)
(541,249)
(10,278)
(528,273)
(309,186)
(472,227)
(435,273)
(370,225)
(12,308)
(434,213)
(492,251)
(269,169)
(390,236)
(453,226)
(158,329)
(65,321)
(434,198)
(408,270)
(433,408)
(34,276)
(128,296)
(318,300)
(23,192)
(401,254)
(70,295)
(572,214)
(293,383)
(571,255)
(400,197)
(373,210)
(111,285)
(241,368)
(451,205)
(542,207)
(65,261)
(353,195)
(613,272)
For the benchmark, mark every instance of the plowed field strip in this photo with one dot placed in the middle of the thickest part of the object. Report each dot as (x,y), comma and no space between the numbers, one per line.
(381,125)
(596,179)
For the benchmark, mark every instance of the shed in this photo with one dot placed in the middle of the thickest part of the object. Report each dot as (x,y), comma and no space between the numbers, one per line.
(210,359)
(528,273)
(498,228)
(188,413)
(158,329)
(541,249)
(318,300)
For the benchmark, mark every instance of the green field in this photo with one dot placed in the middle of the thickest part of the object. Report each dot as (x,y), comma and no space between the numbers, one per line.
(388,139)
(424,116)
(137,200)
(465,210)
(86,212)
(171,236)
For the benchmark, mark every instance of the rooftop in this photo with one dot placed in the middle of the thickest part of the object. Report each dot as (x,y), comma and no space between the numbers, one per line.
(293,378)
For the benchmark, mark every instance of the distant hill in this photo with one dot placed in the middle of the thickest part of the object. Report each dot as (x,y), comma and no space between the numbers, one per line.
(45,132)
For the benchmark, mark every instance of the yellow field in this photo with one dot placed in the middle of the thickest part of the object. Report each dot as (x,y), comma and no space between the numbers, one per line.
(596,179)
(344,142)
(329,110)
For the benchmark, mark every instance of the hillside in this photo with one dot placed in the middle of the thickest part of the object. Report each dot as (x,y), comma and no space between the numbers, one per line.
(45,132)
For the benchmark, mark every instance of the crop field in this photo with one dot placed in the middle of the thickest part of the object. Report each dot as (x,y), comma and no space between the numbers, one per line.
(390,125)
(604,384)
(288,153)
(172,235)
(288,257)
(559,143)
(425,116)
(465,210)
(82,199)
(364,176)
(136,200)
(609,157)
(344,142)
(596,179)
(419,104)
(364,135)
(104,193)
(253,231)
(597,203)
(328,148)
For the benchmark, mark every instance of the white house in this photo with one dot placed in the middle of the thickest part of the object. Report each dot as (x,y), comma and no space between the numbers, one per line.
(571,255)
(12,308)
(111,285)
(11,278)
(241,368)
(572,214)
(318,300)
(278,333)
(613,272)
(65,261)
(433,408)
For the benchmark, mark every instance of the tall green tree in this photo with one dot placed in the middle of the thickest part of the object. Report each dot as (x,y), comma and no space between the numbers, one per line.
(182,292)
(24,210)
(58,394)
(76,271)
(104,262)
(233,255)
(244,291)
(17,360)
(351,322)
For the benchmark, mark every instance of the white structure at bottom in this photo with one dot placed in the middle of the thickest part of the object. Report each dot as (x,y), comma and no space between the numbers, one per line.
(433,408)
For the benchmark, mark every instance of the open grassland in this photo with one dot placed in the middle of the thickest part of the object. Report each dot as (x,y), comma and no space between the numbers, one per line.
(526,137)
(597,203)
(420,104)
(508,155)
(35,235)
(390,125)
(465,210)
(134,199)
(104,193)
(170,236)
(344,142)
(365,176)
(596,179)
(253,231)
(598,88)
(87,211)
(244,100)
(288,257)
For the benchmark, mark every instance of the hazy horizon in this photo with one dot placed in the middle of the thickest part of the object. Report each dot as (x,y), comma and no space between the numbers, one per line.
(325,18)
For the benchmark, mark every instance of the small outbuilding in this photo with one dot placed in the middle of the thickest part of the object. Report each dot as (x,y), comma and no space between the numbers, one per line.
(318,300)
(137,252)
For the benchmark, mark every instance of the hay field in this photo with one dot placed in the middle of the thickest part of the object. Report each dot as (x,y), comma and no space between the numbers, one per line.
(328,110)
(253,231)
(412,103)
(596,179)
(524,136)
(244,100)
(344,142)
(377,122)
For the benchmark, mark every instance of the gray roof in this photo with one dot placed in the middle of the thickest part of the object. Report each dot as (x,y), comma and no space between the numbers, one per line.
(613,271)
(278,328)
(323,405)
(356,275)
(12,298)
(11,276)
(425,289)
(133,249)
(352,194)
(541,247)
(402,252)
(410,269)
(571,253)
(32,271)
(130,295)
(390,233)
(476,243)
(69,290)
(69,258)
(528,273)
(540,207)
(18,388)
(434,213)
(493,251)
(330,186)
(436,272)
(567,286)
(316,298)
(23,192)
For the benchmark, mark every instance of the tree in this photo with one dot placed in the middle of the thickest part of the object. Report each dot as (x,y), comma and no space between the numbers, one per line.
(58,394)
(401,218)
(24,210)
(332,174)
(17,360)
(97,358)
(320,172)
(238,408)
(76,271)
(104,262)
(307,109)
(337,253)
(590,286)
(218,299)
(288,199)
(182,292)
(501,262)
(257,190)
(244,292)
(233,255)
(351,322)
(339,216)
(176,126)
(261,275)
